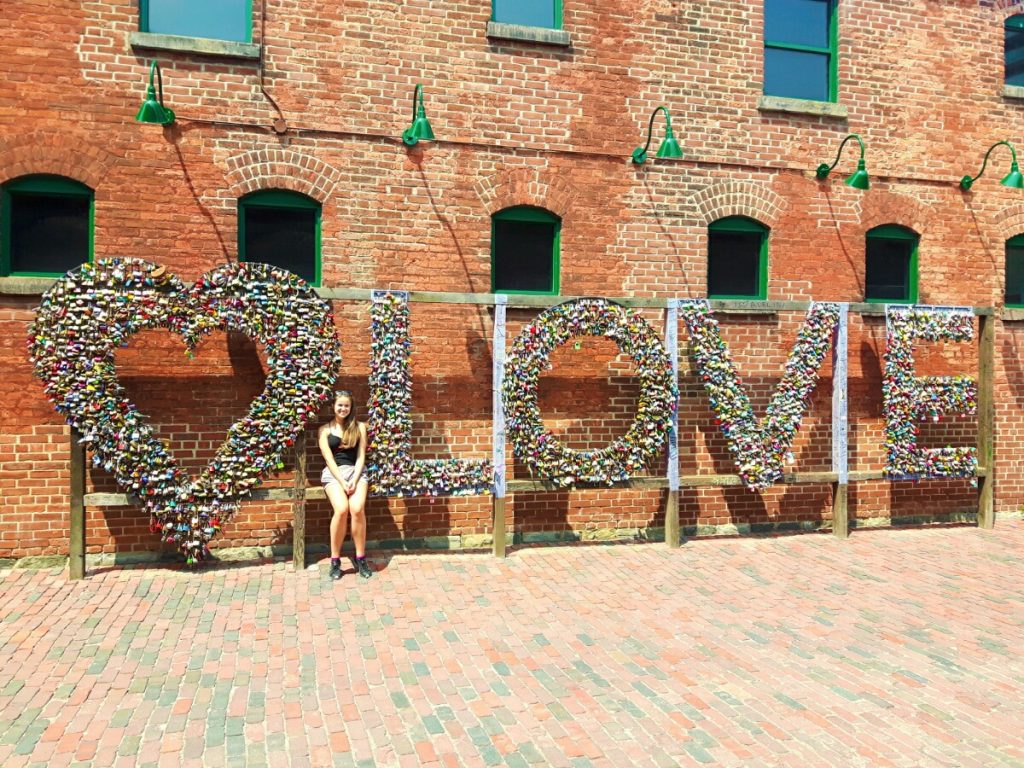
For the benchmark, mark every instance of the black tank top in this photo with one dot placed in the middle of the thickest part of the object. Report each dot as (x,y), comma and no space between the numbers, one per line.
(343,457)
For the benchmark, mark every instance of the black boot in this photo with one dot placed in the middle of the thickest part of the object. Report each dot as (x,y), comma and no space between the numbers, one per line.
(363,567)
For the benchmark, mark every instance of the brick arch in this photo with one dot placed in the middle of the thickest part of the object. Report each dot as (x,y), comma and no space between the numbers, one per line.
(55,154)
(890,208)
(508,187)
(1008,223)
(281,168)
(1008,8)
(738,198)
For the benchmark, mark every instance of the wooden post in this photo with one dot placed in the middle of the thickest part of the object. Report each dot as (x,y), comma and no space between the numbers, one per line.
(672,499)
(299,506)
(840,510)
(498,526)
(498,428)
(986,420)
(840,423)
(672,538)
(76,547)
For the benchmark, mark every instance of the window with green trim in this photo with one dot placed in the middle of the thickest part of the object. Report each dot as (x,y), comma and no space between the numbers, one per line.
(529,13)
(737,259)
(281,228)
(217,20)
(1013,49)
(46,225)
(1013,295)
(525,250)
(891,265)
(800,59)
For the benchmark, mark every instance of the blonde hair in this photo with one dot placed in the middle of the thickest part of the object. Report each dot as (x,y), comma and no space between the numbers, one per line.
(350,426)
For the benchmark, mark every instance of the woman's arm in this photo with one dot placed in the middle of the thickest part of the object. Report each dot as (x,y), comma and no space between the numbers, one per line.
(328,454)
(360,455)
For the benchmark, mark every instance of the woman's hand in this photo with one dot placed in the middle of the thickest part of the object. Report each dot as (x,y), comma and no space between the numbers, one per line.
(350,487)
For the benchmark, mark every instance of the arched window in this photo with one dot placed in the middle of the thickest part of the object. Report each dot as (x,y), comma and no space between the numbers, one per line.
(1013,49)
(46,225)
(281,228)
(737,259)
(1013,295)
(891,265)
(525,250)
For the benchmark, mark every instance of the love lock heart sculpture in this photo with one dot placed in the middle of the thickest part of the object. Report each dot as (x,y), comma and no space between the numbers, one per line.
(97,308)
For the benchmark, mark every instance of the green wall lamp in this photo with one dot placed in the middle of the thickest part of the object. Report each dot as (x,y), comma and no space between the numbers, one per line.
(152,110)
(859,178)
(669,146)
(1012,179)
(420,128)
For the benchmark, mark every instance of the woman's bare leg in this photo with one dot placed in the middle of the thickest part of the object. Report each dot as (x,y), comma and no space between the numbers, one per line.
(357,505)
(339,520)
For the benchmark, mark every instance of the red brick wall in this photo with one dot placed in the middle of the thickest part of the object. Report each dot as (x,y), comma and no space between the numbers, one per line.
(518,124)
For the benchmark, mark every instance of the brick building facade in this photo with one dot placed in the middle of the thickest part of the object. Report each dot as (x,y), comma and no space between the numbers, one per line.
(316,104)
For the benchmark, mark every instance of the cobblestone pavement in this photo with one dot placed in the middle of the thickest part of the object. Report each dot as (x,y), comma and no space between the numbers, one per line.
(897,647)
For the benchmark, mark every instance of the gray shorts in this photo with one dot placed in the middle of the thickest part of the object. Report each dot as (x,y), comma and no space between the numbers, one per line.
(347,472)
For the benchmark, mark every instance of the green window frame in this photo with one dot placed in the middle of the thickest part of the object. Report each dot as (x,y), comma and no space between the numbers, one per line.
(283,202)
(1013,50)
(537,223)
(881,245)
(1013,290)
(744,243)
(41,186)
(528,13)
(219,20)
(776,48)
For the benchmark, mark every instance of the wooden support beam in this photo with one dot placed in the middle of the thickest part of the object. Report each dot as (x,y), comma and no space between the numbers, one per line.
(316,492)
(76,545)
(986,420)
(672,538)
(299,507)
(840,510)
(498,526)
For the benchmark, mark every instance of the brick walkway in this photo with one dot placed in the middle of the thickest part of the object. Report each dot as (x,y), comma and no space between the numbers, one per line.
(897,647)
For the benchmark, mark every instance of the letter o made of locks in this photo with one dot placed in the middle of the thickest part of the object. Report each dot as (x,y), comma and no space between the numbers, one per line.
(544,453)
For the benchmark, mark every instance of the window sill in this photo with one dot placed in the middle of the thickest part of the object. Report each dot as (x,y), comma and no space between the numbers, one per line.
(1013,91)
(543,35)
(751,306)
(1013,313)
(876,307)
(801,107)
(222,48)
(26,286)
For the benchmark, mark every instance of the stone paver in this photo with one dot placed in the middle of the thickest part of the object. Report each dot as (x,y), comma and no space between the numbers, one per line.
(894,648)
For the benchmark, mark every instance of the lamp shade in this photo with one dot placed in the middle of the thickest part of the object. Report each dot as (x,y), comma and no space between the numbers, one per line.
(153,112)
(1013,178)
(859,178)
(669,146)
(420,130)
